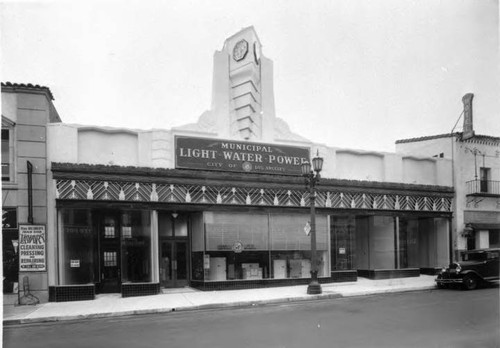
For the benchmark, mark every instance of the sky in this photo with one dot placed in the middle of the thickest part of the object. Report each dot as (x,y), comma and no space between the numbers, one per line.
(357,74)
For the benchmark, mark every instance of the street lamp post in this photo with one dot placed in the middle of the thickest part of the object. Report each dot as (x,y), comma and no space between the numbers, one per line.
(312,177)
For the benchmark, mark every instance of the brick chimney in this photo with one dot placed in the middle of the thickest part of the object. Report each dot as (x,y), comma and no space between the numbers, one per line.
(468,131)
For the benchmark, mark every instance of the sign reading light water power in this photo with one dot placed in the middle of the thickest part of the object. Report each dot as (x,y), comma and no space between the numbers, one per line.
(237,156)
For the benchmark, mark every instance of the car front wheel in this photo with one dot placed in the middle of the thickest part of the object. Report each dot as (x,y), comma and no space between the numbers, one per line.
(470,282)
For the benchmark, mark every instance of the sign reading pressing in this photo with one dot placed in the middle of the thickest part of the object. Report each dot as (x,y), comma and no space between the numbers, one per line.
(236,156)
(32,248)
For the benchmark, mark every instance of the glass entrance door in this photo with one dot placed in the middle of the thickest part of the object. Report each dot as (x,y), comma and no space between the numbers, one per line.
(110,255)
(174,249)
(173,263)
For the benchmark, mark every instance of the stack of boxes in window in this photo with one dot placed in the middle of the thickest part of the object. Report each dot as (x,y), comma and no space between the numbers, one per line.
(217,269)
(279,267)
(300,268)
(251,271)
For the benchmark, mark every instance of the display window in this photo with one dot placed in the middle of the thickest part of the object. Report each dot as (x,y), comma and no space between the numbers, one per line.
(494,238)
(343,242)
(251,246)
(419,241)
(197,246)
(375,246)
(78,262)
(291,246)
(136,253)
(398,242)
(104,247)
(237,246)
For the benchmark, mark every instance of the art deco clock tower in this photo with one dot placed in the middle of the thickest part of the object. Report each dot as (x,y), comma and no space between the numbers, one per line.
(243,95)
(243,98)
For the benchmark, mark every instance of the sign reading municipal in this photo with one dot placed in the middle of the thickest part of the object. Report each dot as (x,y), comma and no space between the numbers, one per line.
(32,248)
(236,156)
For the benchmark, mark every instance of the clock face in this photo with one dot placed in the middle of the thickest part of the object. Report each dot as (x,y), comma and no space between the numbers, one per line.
(240,50)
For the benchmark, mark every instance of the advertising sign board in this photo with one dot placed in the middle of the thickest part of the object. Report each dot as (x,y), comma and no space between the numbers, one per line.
(32,248)
(238,156)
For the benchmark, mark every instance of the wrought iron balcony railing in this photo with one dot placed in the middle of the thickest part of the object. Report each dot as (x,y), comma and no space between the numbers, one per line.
(486,187)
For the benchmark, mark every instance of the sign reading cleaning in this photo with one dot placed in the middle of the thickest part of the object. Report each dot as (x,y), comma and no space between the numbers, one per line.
(32,248)
(235,156)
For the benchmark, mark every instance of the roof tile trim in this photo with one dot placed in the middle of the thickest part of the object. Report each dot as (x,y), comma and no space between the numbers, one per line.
(484,139)
(28,86)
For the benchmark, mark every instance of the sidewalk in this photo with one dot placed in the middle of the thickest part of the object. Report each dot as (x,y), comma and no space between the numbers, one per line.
(113,305)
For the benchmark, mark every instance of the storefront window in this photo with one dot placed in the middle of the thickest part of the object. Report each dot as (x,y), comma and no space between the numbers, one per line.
(236,246)
(78,248)
(423,242)
(136,246)
(494,239)
(291,247)
(343,242)
(375,247)
(197,246)
(409,236)
(386,242)
(252,246)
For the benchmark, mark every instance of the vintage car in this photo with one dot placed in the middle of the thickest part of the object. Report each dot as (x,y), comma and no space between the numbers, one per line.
(477,266)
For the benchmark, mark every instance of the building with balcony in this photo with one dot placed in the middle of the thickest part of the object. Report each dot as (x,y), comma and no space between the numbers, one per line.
(476,177)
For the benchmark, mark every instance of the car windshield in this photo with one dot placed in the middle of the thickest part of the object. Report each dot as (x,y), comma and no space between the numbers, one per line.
(474,256)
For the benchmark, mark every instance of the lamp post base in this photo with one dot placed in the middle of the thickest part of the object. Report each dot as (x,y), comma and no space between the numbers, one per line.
(314,288)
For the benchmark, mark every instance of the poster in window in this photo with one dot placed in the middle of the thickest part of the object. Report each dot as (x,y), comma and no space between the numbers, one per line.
(32,248)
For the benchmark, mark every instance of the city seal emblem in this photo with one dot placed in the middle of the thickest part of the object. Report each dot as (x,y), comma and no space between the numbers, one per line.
(247,166)
(237,247)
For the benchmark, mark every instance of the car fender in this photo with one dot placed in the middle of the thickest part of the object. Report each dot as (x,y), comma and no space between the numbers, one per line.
(470,271)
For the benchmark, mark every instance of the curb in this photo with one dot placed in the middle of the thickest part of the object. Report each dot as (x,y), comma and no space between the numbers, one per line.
(210,306)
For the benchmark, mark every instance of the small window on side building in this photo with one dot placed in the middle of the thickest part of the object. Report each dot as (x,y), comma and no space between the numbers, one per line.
(6,160)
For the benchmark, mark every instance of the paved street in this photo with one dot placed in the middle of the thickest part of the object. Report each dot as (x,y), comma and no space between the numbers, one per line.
(441,318)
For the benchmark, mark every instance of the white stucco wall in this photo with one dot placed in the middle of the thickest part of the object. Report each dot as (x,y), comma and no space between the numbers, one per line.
(62,143)
(99,146)
(156,149)
(428,148)
(385,167)
(359,166)
(419,170)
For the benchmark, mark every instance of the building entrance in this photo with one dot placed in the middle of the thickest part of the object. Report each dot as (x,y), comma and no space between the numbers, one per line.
(173,263)
(174,250)
(110,254)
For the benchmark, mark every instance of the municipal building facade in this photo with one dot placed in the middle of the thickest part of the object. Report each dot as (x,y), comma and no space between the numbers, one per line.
(221,203)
